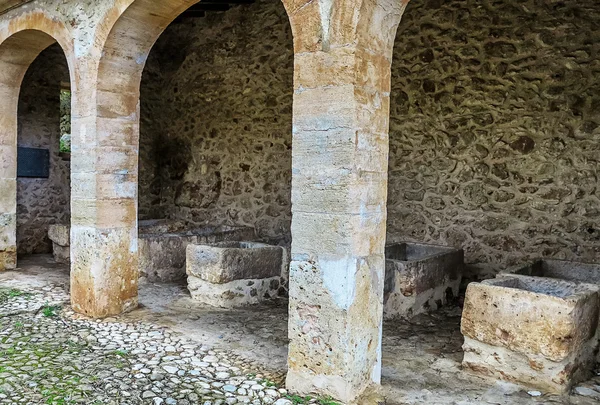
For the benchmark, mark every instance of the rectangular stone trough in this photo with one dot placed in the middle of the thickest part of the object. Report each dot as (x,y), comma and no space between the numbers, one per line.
(420,277)
(162,255)
(233,274)
(161,245)
(561,269)
(535,331)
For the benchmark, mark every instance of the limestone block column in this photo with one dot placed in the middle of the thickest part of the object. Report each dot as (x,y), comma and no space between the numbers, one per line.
(8,175)
(339,191)
(8,179)
(104,259)
(104,247)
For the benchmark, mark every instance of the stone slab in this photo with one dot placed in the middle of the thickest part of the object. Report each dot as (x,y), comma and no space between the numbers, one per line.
(59,234)
(531,370)
(561,269)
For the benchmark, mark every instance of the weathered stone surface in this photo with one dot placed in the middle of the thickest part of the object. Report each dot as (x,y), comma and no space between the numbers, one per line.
(498,126)
(163,255)
(161,245)
(542,330)
(233,294)
(450,182)
(8,241)
(20,44)
(60,234)
(160,226)
(339,183)
(225,262)
(420,278)
(104,271)
(216,121)
(486,156)
(61,254)
(232,274)
(561,269)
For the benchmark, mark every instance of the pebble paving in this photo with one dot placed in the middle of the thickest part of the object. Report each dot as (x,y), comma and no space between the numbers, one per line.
(50,355)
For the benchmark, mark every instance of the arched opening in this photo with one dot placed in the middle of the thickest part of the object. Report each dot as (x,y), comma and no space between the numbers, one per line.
(31,170)
(233,173)
(43,165)
(494,109)
(215,134)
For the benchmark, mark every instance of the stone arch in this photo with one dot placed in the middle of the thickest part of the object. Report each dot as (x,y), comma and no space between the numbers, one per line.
(134,31)
(104,278)
(21,41)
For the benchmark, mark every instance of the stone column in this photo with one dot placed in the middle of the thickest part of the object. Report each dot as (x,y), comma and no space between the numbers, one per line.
(104,261)
(8,173)
(339,191)
(104,166)
(17,52)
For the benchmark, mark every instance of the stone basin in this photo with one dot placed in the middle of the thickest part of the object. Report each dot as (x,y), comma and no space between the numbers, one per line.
(420,278)
(163,255)
(561,269)
(161,245)
(531,330)
(233,274)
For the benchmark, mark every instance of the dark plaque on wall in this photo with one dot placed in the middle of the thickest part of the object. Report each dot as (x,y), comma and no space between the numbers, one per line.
(33,162)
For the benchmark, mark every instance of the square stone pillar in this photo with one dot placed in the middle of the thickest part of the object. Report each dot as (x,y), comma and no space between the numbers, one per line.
(339,192)
(10,79)
(104,250)
(8,193)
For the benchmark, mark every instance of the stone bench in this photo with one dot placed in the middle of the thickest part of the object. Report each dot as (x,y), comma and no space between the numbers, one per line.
(233,274)
(419,278)
(531,330)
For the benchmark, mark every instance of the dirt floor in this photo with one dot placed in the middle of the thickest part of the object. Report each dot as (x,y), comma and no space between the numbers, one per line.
(421,358)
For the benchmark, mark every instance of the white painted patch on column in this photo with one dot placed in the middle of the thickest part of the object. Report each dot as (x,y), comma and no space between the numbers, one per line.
(325,8)
(376,372)
(339,277)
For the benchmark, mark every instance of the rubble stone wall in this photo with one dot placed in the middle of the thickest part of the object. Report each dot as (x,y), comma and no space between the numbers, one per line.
(494,126)
(42,202)
(494,138)
(216,122)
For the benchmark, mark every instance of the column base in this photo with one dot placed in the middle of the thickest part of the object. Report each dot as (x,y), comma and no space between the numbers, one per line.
(8,258)
(334,386)
(104,271)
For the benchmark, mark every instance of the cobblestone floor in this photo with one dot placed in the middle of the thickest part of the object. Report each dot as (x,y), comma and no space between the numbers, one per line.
(174,351)
(50,355)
